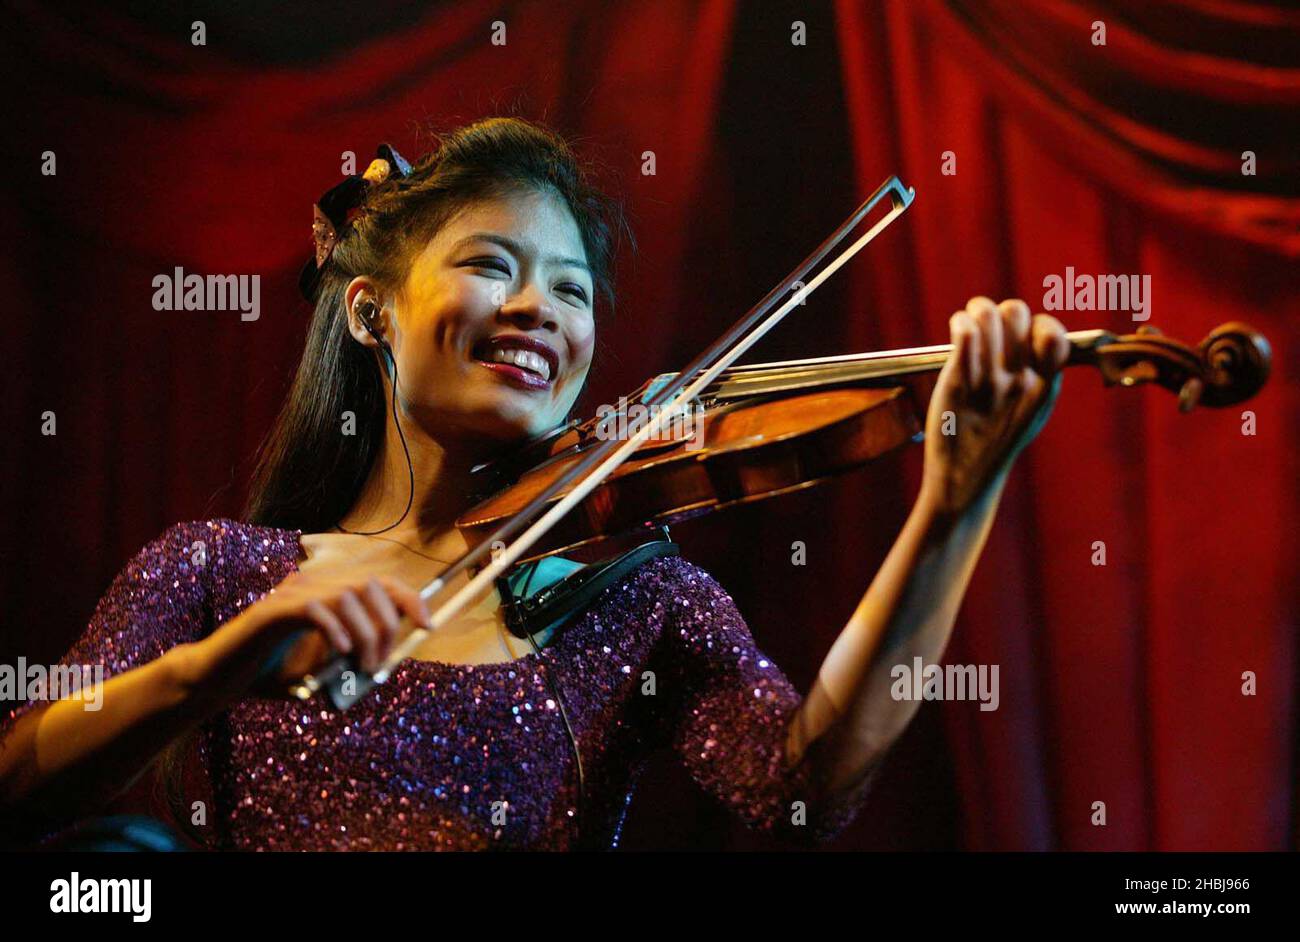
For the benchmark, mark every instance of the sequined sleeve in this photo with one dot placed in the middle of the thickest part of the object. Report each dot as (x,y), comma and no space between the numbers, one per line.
(729,710)
(158,600)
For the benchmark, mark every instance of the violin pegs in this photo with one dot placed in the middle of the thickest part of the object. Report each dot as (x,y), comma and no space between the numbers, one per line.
(1141,372)
(1190,394)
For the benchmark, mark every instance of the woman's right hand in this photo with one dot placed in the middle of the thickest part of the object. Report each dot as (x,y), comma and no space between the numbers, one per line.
(328,614)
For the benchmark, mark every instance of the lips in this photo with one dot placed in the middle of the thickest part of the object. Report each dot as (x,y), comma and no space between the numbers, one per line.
(520,356)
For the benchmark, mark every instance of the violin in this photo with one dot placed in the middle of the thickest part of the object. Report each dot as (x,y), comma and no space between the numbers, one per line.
(715,435)
(768,429)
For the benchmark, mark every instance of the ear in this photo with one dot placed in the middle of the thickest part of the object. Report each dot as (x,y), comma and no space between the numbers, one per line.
(357,296)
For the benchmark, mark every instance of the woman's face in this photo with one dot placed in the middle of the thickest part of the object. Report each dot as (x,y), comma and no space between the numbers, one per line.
(493,330)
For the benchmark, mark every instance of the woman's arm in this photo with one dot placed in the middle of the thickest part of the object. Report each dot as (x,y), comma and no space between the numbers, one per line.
(168,674)
(992,397)
(908,612)
(60,761)
(68,757)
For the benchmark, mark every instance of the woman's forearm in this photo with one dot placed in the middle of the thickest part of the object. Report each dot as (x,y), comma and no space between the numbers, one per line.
(850,719)
(61,761)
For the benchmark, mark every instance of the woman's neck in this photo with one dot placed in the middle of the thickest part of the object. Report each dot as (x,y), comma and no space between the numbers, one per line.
(442,493)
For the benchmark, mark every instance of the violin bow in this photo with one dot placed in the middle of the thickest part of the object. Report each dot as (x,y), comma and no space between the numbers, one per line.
(345,685)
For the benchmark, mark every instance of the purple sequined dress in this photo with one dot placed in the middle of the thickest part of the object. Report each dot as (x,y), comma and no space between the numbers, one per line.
(448,756)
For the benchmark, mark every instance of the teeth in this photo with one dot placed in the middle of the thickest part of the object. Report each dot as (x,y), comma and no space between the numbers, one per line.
(524,359)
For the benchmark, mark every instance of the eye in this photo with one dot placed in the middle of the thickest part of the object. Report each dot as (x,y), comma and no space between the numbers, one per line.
(576,290)
(490,262)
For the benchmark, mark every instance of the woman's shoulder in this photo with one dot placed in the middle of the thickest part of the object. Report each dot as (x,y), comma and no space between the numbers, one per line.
(230,561)
(678,572)
(216,548)
(215,538)
(680,589)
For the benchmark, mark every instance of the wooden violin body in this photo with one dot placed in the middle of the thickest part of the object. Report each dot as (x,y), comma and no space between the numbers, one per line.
(735,453)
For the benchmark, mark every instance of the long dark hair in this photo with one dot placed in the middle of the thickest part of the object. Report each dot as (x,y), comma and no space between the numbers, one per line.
(307,475)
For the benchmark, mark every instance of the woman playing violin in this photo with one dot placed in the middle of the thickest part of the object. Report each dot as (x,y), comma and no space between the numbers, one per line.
(456,312)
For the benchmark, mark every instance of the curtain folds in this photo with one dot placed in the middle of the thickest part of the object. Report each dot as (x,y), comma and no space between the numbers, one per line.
(1120,684)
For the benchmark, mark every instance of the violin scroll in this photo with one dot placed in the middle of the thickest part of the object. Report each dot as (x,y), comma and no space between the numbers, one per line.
(1231,364)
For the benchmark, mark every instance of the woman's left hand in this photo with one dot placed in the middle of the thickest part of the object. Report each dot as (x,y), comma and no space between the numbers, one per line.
(992,397)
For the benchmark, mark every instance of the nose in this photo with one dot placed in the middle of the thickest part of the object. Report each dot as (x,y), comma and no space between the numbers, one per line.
(530,308)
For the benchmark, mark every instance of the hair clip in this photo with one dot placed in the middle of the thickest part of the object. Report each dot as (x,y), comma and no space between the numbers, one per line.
(339,207)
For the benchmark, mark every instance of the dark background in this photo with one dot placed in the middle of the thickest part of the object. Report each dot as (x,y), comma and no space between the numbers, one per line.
(1118,684)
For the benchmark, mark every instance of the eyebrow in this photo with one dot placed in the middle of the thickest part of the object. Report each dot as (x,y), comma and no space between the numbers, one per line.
(512,246)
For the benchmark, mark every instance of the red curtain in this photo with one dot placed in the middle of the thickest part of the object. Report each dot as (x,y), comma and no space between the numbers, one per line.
(1120,683)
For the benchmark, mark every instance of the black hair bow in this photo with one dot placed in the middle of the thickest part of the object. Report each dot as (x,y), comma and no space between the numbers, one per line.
(335,211)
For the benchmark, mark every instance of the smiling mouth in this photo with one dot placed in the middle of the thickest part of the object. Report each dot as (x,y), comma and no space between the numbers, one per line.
(523,368)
